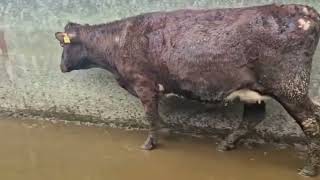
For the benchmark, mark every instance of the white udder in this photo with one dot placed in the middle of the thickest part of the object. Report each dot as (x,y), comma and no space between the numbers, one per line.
(248,96)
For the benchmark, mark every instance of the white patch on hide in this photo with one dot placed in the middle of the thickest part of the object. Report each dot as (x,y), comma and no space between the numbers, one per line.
(248,96)
(304,24)
(161,88)
(117,39)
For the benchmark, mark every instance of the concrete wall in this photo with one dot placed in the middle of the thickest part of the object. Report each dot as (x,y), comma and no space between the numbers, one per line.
(30,79)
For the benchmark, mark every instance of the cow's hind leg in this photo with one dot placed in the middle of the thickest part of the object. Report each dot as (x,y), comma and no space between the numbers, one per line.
(253,114)
(306,114)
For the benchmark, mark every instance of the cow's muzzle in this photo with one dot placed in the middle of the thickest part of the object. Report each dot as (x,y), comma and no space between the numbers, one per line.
(64,69)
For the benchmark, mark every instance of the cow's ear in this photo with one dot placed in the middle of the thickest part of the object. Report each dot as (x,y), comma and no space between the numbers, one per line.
(66,38)
(59,36)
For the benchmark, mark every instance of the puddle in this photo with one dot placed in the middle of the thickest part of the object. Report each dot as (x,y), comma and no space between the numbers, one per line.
(37,150)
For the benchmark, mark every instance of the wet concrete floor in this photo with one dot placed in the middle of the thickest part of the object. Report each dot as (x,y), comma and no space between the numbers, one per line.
(41,150)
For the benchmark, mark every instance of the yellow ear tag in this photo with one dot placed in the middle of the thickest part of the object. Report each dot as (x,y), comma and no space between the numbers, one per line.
(66,39)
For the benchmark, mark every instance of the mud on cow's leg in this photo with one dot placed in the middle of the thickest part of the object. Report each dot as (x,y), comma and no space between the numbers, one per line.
(306,113)
(253,114)
(149,98)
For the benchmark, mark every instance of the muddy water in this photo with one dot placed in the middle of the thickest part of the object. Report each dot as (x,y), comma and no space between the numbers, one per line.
(33,150)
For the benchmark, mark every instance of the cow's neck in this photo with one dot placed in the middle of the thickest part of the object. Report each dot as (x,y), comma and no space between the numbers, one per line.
(103,43)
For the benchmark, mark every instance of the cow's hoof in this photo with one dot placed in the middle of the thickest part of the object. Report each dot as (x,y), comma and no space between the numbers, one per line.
(224,146)
(308,171)
(149,144)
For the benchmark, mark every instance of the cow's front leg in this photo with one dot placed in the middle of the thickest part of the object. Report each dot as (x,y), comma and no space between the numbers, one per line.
(152,139)
(149,97)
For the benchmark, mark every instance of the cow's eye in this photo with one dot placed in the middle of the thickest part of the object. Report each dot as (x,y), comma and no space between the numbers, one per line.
(62,44)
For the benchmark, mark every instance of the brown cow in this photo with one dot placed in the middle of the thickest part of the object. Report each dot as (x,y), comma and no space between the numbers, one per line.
(212,55)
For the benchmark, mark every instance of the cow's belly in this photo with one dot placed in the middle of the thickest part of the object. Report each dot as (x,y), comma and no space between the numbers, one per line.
(242,95)
(215,84)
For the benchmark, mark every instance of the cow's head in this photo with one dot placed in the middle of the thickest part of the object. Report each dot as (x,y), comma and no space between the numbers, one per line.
(75,53)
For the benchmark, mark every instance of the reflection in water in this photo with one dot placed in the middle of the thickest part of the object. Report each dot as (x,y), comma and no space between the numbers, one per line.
(42,150)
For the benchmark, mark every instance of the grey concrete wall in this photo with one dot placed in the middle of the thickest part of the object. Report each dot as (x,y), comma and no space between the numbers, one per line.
(30,79)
